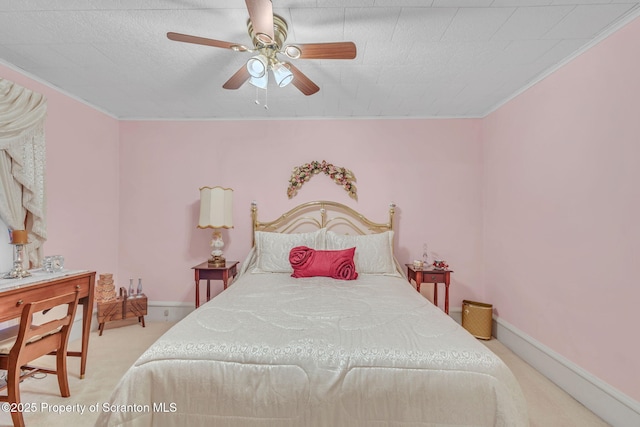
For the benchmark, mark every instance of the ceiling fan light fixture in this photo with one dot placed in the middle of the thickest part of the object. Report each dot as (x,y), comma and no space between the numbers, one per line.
(260,82)
(292,52)
(257,66)
(282,74)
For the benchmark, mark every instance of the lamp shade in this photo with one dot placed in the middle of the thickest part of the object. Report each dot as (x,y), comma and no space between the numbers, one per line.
(216,207)
(257,65)
(260,82)
(282,74)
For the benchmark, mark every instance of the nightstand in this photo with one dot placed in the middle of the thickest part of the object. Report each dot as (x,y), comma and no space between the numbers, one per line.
(206,272)
(431,276)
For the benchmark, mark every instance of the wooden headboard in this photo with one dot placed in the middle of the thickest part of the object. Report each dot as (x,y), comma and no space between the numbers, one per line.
(314,215)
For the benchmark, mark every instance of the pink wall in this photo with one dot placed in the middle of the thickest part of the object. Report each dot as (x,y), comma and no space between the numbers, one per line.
(81,180)
(429,168)
(561,209)
(541,195)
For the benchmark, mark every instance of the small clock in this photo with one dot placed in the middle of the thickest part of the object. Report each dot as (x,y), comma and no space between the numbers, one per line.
(57,263)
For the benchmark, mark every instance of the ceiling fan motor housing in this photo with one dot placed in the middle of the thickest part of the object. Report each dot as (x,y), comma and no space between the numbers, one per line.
(260,41)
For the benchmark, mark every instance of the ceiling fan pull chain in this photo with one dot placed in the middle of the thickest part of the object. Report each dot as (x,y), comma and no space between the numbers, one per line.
(266,99)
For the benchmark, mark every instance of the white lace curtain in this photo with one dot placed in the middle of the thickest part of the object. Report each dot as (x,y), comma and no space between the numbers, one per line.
(22,164)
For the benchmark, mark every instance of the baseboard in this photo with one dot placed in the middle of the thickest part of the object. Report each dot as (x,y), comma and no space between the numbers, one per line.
(167,311)
(610,404)
(456,314)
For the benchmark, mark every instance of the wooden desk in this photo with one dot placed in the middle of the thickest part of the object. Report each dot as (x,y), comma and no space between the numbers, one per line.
(431,276)
(12,300)
(205,272)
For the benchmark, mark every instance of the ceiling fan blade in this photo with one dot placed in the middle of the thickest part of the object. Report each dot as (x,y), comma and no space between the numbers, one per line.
(238,79)
(201,40)
(302,82)
(339,50)
(261,15)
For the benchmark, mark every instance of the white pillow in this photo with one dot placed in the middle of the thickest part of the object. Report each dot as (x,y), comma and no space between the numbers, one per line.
(374,252)
(273,249)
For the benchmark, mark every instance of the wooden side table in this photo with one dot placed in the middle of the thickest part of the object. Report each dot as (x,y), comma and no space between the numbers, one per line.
(206,272)
(431,276)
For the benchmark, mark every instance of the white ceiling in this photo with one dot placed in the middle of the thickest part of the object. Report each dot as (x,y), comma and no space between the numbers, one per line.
(416,58)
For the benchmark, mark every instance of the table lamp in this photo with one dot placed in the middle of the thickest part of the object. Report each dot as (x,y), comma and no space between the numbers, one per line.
(216,212)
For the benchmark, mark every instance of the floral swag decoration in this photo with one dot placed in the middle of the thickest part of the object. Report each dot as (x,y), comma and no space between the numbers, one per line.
(341,176)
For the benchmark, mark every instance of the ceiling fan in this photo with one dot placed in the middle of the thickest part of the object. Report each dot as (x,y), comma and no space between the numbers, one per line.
(268,33)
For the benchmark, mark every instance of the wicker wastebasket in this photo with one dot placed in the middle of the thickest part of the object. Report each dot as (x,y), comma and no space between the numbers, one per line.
(477,318)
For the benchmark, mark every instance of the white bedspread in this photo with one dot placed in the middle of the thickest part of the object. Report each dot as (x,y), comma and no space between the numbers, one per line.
(277,351)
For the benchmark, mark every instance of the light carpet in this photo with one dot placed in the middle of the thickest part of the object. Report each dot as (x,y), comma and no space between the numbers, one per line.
(122,343)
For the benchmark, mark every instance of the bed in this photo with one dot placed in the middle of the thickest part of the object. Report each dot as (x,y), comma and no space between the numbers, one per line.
(276,350)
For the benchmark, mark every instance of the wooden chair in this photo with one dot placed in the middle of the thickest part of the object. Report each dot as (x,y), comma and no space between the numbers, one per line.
(33,341)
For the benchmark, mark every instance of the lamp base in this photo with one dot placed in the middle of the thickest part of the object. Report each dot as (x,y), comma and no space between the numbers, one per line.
(217,261)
